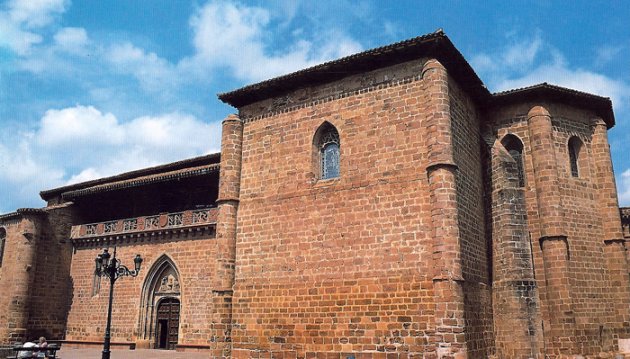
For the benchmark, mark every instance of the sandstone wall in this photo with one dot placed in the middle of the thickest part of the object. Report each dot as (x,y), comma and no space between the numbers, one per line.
(52,286)
(587,296)
(465,123)
(340,265)
(192,255)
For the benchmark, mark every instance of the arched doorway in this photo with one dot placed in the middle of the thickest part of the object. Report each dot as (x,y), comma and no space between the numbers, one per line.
(160,306)
(167,323)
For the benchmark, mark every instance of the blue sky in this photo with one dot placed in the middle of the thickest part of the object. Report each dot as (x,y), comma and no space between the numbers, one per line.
(94,88)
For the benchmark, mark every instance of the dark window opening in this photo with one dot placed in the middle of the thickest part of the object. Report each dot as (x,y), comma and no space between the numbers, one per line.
(574,155)
(514,146)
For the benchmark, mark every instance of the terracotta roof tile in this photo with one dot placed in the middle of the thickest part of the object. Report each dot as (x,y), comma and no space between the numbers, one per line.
(436,45)
(548,92)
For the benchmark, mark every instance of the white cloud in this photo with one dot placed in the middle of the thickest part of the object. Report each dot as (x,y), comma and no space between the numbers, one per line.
(225,36)
(84,137)
(78,124)
(35,13)
(607,53)
(521,55)
(20,18)
(81,143)
(624,189)
(517,56)
(23,175)
(16,39)
(579,79)
(236,36)
(71,39)
(530,61)
(153,72)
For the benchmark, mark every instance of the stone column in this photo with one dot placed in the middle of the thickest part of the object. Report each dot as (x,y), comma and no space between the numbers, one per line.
(614,242)
(553,237)
(18,274)
(228,201)
(515,299)
(447,279)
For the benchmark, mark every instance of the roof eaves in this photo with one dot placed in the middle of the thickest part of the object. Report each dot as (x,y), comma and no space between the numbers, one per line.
(435,44)
(23,211)
(545,91)
(212,158)
(142,181)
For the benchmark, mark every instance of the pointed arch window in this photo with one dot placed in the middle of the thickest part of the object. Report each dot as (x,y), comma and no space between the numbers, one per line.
(575,146)
(327,148)
(514,146)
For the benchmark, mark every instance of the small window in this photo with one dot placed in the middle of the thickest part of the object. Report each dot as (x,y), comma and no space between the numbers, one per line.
(327,149)
(3,238)
(514,146)
(575,145)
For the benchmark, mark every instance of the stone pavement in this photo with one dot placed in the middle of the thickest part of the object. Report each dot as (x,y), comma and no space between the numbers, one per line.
(93,353)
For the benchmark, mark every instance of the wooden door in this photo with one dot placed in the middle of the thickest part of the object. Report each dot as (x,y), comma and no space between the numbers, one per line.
(167,324)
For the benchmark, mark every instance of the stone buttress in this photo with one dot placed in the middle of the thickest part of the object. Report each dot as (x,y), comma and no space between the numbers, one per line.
(228,201)
(516,302)
(615,246)
(447,278)
(18,275)
(553,236)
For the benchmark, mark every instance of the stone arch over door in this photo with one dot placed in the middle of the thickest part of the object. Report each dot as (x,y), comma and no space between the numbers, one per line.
(161,286)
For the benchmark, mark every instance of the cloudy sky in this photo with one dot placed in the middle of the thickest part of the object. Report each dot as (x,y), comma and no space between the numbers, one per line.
(94,88)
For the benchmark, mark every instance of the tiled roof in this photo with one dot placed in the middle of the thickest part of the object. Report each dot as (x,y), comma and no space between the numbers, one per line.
(547,92)
(169,171)
(143,180)
(22,211)
(435,45)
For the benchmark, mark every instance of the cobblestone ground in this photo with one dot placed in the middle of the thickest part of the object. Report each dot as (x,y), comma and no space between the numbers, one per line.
(69,353)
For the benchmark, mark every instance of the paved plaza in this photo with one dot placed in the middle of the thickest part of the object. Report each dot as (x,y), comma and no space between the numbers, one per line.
(93,353)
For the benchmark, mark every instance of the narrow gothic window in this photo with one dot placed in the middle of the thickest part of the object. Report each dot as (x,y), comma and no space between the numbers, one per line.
(328,147)
(574,153)
(3,238)
(514,146)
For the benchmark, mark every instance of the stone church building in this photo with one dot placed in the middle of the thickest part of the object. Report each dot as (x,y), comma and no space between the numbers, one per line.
(383,205)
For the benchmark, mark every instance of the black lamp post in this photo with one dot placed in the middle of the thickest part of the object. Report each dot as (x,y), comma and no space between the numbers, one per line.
(113,269)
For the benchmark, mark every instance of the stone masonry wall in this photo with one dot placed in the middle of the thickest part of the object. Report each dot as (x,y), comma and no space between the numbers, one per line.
(52,287)
(516,302)
(589,309)
(23,232)
(191,254)
(325,267)
(465,123)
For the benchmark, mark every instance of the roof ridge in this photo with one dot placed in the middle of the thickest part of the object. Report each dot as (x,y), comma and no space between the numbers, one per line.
(435,44)
(549,86)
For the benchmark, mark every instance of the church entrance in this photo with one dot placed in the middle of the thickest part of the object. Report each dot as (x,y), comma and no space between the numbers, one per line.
(160,306)
(167,324)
